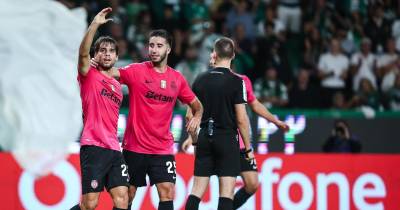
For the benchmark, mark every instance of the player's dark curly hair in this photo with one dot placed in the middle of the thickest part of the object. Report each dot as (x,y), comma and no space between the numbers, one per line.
(105,39)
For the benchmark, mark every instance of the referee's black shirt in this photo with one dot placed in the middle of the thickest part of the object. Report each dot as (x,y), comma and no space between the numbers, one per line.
(219,90)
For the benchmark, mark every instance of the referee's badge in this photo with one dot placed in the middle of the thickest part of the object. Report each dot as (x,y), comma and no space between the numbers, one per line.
(163,84)
(94,184)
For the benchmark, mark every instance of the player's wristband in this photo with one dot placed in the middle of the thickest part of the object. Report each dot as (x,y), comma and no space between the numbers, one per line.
(245,152)
(248,151)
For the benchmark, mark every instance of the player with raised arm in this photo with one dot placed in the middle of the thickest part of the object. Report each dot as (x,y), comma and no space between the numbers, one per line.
(102,163)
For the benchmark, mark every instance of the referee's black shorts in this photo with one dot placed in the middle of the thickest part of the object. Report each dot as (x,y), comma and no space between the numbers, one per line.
(217,155)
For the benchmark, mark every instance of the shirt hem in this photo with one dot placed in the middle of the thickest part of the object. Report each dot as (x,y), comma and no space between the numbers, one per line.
(148,152)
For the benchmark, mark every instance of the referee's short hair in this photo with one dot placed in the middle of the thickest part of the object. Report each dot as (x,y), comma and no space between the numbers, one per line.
(224,48)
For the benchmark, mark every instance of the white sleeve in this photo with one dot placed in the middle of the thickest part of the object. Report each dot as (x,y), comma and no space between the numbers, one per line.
(396,28)
(322,64)
(354,59)
(347,63)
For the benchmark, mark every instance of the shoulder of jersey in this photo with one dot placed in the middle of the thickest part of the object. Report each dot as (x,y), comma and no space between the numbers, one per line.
(175,70)
(238,76)
(134,66)
(241,76)
(203,74)
(176,73)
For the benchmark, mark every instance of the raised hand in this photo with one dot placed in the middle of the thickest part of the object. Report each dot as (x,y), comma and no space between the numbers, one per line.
(100,18)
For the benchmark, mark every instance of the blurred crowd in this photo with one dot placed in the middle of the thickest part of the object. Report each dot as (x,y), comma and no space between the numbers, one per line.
(330,54)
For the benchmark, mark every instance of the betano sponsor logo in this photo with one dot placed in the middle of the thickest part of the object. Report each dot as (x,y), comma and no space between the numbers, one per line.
(159,97)
(111,96)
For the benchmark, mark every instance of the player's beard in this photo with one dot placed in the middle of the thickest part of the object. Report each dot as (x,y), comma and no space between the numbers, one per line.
(162,58)
(106,67)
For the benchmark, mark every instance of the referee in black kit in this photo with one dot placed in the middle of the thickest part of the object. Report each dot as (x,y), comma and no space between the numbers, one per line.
(223,95)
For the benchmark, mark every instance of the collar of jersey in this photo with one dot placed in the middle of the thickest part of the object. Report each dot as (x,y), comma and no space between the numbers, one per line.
(221,69)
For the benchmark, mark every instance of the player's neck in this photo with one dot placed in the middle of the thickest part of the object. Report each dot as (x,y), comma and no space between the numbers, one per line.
(160,67)
(223,64)
(106,72)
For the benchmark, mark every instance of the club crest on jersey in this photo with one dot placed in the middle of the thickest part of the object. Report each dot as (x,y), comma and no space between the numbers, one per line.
(112,88)
(163,84)
(94,184)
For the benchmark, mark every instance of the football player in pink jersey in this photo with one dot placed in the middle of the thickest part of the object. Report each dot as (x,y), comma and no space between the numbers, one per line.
(102,163)
(154,88)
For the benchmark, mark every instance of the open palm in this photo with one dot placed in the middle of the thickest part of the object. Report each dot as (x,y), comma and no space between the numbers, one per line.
(100,18)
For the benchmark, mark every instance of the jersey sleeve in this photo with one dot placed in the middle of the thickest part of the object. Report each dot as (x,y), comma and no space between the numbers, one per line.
(185,94)
(322,63)
(347,63)
(82,78)
(127,74)
(240,93)
(249,90)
